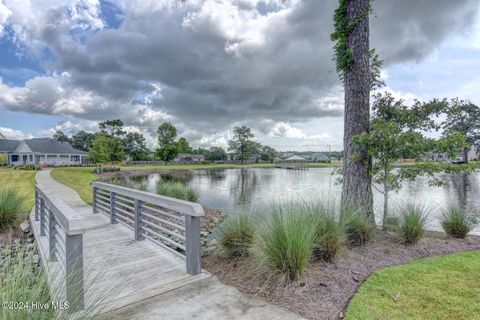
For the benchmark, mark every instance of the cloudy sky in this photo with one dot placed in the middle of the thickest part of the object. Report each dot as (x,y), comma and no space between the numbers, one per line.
(207,66)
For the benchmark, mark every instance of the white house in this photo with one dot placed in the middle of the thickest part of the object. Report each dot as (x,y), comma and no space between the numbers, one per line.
(41,151)
(471,155)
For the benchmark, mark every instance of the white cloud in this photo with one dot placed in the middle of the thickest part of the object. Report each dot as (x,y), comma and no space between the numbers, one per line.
(13,134)
(5,13)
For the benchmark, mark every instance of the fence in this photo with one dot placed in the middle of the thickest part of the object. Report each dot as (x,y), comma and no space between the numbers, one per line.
(171,223)
(64,230)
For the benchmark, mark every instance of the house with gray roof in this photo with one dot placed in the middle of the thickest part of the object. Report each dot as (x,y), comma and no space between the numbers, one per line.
(41,151)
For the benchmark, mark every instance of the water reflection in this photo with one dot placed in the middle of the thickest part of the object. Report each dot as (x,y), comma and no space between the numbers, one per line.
(254,189)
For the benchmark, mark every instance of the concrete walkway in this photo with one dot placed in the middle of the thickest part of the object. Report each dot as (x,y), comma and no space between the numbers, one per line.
(203,297)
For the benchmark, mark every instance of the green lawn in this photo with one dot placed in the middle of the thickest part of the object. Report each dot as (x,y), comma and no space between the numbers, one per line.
(445,287)
(79,179)
(21,180)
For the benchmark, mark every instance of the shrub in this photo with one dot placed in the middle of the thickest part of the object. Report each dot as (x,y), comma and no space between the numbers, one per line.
(358,229)
(392,223)
(414,219)
(11,204)
(236,234)
(100,169)
(456,223)
(287,240)
(28,167)
(328,237)
(176,189)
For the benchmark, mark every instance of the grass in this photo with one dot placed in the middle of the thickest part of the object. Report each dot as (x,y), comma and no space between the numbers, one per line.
(79,179)
(236,234)
(23,280)
(176,189)
(358,229)
(286,241)
(443,287)
(414,218)
(329,237)
(21,180)
(11,205)
(456,223)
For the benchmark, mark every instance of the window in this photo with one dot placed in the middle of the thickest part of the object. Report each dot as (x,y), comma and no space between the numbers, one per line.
(31,158)
(14,158)
(76,158)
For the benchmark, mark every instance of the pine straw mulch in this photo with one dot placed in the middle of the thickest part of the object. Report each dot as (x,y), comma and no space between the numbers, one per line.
(325,289)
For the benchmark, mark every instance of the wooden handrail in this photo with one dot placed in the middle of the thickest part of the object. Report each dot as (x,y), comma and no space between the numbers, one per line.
(148,215)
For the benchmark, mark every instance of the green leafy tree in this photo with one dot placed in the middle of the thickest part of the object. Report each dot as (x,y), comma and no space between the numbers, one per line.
(216,154)
(183,146)
(135,146)
(167,146)
(268,154)
(241,142)
(106,149)
(60,136)
(464,117)
(399,131)
(83,140)
(113,128)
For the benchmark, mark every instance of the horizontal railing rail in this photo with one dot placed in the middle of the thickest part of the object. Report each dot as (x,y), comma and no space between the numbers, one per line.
(170,223)
(64,229)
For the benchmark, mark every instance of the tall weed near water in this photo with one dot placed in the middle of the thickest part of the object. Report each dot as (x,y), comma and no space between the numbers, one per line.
(11,205)
(176,189)
(456,222)
(236,234)
(358,229)
(414,218)
(286,241)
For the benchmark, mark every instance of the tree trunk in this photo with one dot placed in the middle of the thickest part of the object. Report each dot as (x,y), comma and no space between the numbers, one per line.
(385,204)
(357,182)
(465,155)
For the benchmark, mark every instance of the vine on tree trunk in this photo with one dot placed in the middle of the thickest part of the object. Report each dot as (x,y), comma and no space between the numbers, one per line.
(343,54)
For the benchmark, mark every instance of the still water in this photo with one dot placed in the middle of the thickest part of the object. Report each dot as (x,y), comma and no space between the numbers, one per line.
(255,189)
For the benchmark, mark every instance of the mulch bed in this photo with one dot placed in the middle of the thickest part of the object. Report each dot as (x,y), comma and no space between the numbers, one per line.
(325,289)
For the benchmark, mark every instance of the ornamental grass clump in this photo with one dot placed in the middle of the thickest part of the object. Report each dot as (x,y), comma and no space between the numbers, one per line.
(328,239)
(22,280)
(286,241)
(414,218)
(329,234)
(358,229)
(456,223)
(236,234)
(176,189)
(11,205)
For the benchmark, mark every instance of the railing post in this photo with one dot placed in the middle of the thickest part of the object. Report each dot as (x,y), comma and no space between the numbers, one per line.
(51,235)
(74,271)
(192,244)
(138,217)
(37,204)
(42,216)
(95,191)
(112,208)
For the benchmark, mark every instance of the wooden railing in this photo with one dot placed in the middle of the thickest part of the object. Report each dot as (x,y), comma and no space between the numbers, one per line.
(171,223)
(64,229)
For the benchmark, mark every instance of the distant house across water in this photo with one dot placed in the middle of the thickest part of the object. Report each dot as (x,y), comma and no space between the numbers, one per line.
(41,151)
(188,157)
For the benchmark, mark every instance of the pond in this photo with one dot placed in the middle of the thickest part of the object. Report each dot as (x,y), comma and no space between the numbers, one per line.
(255,189)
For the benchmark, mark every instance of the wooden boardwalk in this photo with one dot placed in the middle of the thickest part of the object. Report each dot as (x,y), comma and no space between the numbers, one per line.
(118,270)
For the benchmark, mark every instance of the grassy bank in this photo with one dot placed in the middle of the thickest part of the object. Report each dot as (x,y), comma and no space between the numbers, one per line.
(433,288)
(21,180)
(79,179)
